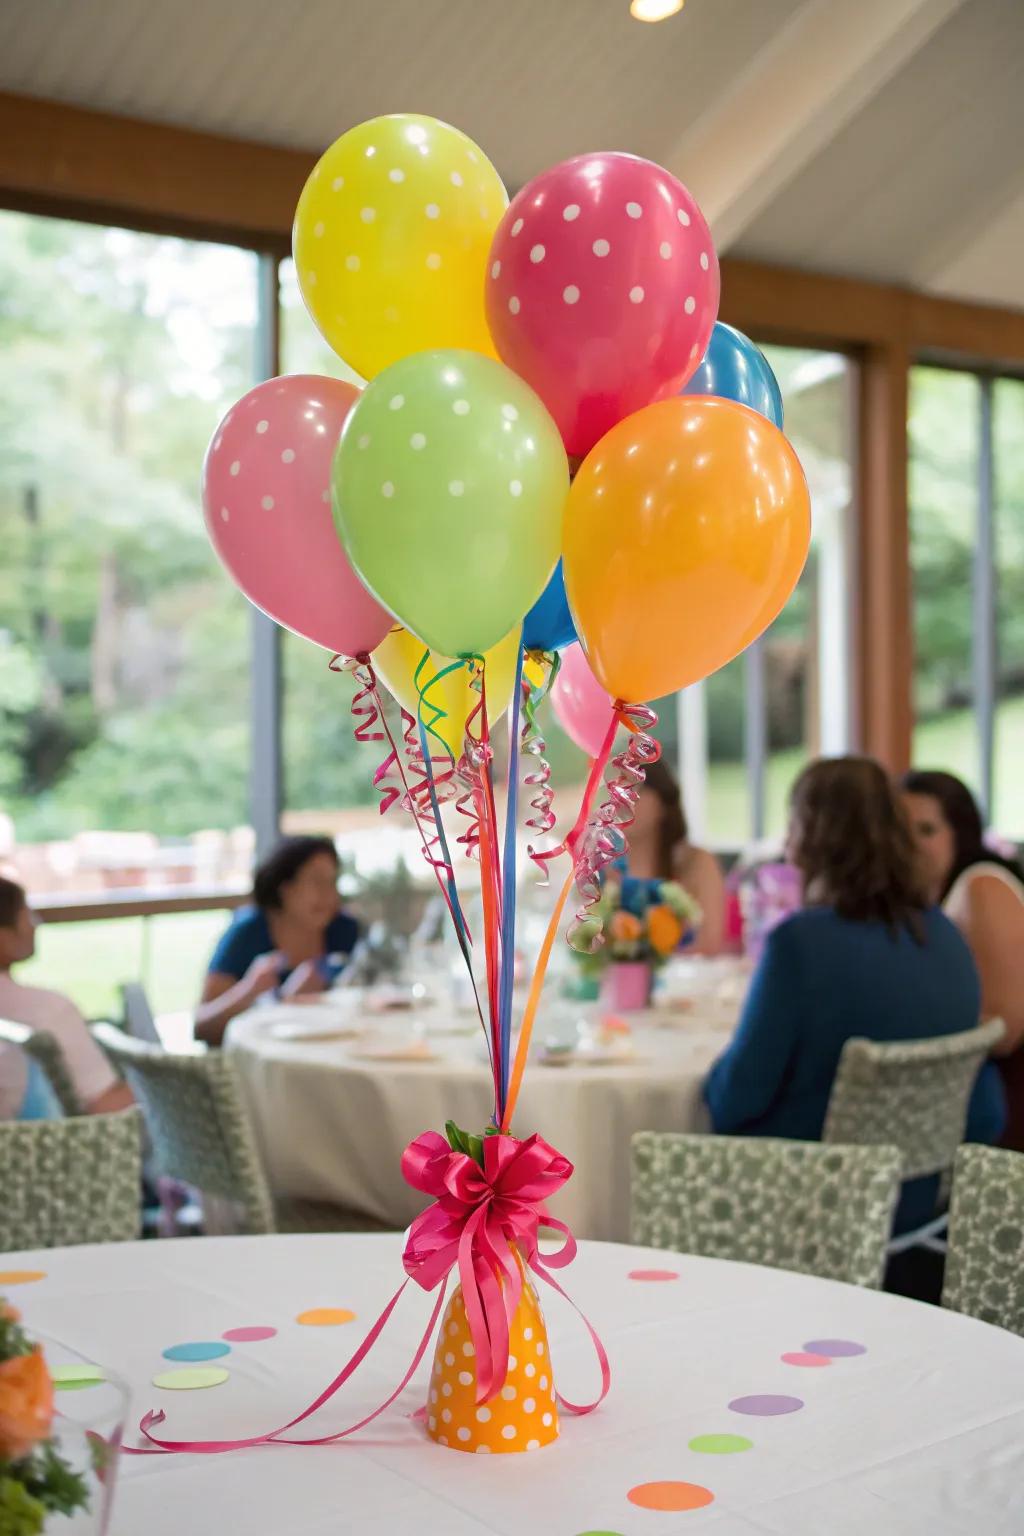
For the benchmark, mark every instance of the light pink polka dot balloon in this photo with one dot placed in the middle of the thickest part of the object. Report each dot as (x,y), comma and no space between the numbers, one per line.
(602,290)
(267,500)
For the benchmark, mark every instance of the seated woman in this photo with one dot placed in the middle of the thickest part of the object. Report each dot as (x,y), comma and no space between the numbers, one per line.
(95,1081)
(660,849)
(867,956)
(983,894)
(293,939)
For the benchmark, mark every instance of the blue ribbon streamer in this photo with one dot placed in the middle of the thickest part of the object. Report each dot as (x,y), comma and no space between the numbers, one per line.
(508,892)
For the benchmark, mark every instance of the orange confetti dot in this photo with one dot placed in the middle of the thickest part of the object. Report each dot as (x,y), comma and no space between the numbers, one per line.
(21,1276)
(670,1496)
(326,1317)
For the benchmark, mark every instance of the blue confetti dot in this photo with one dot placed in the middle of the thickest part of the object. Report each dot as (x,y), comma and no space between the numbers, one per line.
(191,1352)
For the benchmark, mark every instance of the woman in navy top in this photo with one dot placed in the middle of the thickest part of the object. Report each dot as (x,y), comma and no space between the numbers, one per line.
(294,937)
(866,957)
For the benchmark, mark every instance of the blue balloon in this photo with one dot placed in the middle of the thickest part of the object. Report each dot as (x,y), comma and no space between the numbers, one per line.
(548,626)
(734,369)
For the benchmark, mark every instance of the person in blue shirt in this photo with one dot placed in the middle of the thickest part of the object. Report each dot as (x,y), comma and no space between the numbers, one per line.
(867,956)
(293,939)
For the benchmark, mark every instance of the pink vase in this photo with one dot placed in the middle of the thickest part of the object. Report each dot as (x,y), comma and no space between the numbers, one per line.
(626,986)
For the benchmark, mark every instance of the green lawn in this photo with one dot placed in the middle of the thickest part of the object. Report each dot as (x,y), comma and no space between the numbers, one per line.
(170,953)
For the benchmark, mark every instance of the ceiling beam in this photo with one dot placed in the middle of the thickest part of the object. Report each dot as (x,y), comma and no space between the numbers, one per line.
(820,70)
(119,169)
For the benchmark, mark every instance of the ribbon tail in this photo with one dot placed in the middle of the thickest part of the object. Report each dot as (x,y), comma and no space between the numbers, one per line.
(272,1437)
(602,1355)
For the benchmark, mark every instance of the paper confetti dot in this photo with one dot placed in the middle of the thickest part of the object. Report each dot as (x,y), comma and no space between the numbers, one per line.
(199,1351)
(191,1378)
(837,1349)
(670,1497)
(766,1405)
(21,1276)
(248,1335)
(804,1357)
(325,1317)
(74,1378)
(653,1274)
(720,1445)
(596,1533)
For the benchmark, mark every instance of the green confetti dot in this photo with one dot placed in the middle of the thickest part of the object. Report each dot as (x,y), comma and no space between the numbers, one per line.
(190,1378)
(721,1445)
(73,1378)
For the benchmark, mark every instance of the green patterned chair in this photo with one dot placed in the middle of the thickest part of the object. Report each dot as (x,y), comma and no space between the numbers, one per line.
(786,1204)
(201,1136)
(913,1094)
(45,1049)
(985,1264)
(70,1181)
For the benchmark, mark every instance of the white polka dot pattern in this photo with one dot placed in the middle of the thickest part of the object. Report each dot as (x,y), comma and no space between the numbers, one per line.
(513,1420)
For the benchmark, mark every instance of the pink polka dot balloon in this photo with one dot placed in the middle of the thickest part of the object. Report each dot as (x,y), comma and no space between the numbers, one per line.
(267,499)
(602,290)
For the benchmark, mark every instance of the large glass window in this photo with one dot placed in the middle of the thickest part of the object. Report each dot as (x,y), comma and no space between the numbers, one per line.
(967,557)
(768,712)
(124,662)
(944,428)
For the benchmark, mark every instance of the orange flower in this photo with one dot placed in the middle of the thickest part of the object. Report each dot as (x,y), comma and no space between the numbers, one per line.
(26,1404)
(8,1313)
(625,928)
(663,929)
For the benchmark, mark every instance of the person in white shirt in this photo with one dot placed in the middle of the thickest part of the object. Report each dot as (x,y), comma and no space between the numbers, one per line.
(96,1083)
(982,891)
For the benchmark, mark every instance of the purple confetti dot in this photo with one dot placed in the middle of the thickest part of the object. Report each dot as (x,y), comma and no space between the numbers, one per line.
(766,1404)
(249,1335)
(836,1348)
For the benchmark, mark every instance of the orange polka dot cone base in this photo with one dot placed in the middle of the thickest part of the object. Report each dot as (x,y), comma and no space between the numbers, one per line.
(523,1415)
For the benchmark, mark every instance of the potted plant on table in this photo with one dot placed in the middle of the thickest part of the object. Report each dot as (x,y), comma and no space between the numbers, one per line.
(35,1480)
(645,921)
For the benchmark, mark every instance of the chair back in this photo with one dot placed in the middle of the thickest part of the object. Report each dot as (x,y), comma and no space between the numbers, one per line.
(197,1122)
(138,1015)
(985,1262)
(70,1181)
(796,1205)
(913,1094)
(45,1049)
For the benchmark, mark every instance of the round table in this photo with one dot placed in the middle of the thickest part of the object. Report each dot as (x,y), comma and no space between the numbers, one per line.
(915,1425)
(333,1115)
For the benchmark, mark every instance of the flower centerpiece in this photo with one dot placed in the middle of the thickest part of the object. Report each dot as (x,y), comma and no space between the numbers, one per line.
(35,1480)
(645,921)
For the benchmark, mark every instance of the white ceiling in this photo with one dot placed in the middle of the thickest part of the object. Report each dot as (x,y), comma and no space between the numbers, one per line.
(880,138)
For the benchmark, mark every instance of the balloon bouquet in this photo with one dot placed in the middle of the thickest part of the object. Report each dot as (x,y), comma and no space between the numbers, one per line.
(426,531)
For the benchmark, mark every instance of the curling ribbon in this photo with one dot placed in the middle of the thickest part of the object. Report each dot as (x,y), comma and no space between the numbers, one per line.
(367,714)
(538,779)
(604,837)
(478,1213)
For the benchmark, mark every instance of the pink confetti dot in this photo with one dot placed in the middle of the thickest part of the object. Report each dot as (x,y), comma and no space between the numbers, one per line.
(804,1357)
(248,1335)
(654,1274)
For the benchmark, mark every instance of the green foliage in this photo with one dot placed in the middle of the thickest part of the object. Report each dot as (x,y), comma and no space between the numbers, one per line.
(14,1341)
(47,1477)
(20,1513)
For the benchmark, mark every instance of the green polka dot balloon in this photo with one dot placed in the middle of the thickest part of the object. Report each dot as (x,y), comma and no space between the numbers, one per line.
(449,484)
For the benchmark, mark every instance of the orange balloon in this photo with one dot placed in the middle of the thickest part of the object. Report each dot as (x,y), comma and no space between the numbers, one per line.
(686,530)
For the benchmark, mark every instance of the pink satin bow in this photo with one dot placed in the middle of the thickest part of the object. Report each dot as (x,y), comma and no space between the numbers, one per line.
(478,1215)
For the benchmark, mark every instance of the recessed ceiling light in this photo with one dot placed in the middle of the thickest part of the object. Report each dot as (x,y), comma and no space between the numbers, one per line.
(654,10)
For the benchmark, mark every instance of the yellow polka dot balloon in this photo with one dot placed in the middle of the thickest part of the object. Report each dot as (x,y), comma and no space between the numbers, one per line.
(524,1414)
(391,240)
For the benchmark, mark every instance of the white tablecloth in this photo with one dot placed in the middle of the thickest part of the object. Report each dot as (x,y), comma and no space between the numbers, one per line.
(921,1435)
(332,1125)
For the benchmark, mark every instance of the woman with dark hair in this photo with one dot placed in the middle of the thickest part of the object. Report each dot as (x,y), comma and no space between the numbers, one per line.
(660,849)
(293,939)
(867,956)
(983,893)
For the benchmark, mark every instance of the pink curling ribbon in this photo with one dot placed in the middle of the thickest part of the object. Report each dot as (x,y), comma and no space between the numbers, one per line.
(477,1216)
(367,714)
(604,836)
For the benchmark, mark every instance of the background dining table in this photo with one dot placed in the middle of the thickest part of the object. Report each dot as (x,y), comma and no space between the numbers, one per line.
(743,1402)
(338,1087)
